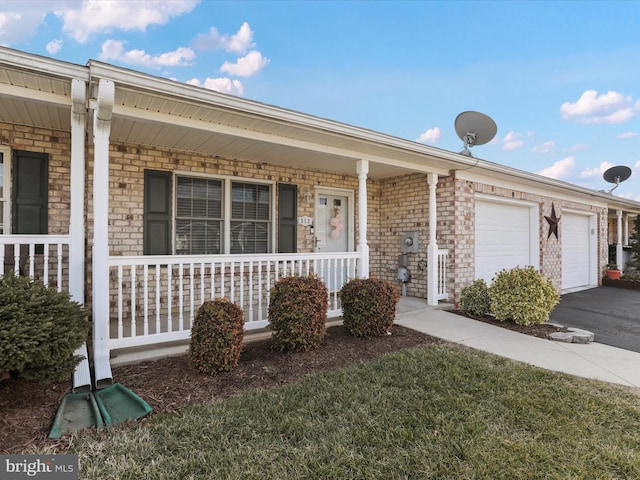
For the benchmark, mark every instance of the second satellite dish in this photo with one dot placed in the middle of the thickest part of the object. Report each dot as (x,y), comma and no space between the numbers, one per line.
(474,128)
(616,175)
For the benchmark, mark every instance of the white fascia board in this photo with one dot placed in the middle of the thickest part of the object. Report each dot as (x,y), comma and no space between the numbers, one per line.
(537,186)
(42,65)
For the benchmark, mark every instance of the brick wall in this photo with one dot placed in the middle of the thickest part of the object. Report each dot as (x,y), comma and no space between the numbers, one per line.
(57,145)
(126,199)
(404,207)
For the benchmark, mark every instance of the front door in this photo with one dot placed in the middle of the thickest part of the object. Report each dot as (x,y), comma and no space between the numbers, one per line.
(333,232)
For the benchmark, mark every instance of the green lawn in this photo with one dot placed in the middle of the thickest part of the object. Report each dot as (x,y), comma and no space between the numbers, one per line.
(437,412)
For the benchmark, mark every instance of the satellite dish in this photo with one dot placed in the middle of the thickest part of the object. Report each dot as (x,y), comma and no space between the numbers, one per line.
(616,175)
(474,128)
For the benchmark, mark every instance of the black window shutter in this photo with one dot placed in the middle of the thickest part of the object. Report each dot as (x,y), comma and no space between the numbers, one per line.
(30,193)
(157,212)
(287,218)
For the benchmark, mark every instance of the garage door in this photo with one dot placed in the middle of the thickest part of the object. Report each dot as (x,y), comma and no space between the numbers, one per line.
(576,264)
(503,238)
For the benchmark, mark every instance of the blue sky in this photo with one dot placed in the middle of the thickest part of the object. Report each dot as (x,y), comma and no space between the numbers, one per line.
(560,79)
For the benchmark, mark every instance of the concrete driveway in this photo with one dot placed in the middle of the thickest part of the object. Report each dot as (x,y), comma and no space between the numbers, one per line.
(612,314)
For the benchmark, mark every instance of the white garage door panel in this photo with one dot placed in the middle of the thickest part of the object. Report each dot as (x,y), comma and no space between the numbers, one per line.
(502,238)
(576,266)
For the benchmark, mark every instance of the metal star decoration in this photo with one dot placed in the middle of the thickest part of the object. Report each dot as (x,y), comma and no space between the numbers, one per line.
(553,222)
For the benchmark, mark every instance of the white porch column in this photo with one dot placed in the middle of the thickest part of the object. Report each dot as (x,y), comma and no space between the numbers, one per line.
(76,225)
(432,249)
(100,271)
(619,252)
(82,374)
(363,246)
(626,230)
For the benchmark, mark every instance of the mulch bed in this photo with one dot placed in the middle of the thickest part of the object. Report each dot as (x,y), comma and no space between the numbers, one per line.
(540,331)
(27,409)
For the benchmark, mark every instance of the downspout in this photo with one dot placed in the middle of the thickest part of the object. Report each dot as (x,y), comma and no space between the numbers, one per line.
(102,114)
(432,249)
(82,374)
(363,246)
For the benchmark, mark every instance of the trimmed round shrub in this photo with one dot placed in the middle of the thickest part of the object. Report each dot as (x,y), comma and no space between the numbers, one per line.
(368,306)
(40,330)
(523,295)
(298,313)
(475,300)
(217,336)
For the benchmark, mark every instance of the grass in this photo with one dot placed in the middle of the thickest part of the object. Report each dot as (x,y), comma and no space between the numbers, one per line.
(438,412)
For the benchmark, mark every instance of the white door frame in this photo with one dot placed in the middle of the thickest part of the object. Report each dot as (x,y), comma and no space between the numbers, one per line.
(345,192)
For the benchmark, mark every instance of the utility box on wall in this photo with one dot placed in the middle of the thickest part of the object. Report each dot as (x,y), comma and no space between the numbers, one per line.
(409,242)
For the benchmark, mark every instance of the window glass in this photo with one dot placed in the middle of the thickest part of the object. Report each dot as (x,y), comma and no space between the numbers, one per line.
(250,218)
(198,216)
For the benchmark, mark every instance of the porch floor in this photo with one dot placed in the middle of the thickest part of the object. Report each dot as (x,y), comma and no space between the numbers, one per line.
(151,352)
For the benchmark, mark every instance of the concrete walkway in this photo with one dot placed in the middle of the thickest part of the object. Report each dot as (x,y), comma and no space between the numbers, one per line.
(594,360)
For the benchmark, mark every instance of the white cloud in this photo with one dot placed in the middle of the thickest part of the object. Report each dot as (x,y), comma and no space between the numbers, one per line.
(430,136)
(626,135)
(19,21)
(559,170)
(114,50)
(246,66)
(54,46)
(577,147)
(637,164)
(223,85)
(240,42)
(81,19)
(512,141)
(608,108)
(596,172)
(546,147)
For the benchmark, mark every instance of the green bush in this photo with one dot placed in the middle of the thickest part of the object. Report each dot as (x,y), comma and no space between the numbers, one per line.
(298,313)
(217,337)
(40,330)
(368,306)
(523,295)
(475,300)
(631,276)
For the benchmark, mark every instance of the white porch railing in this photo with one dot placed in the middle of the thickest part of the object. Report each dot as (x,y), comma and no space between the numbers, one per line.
(153,299)
(44,257)
(443,256)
